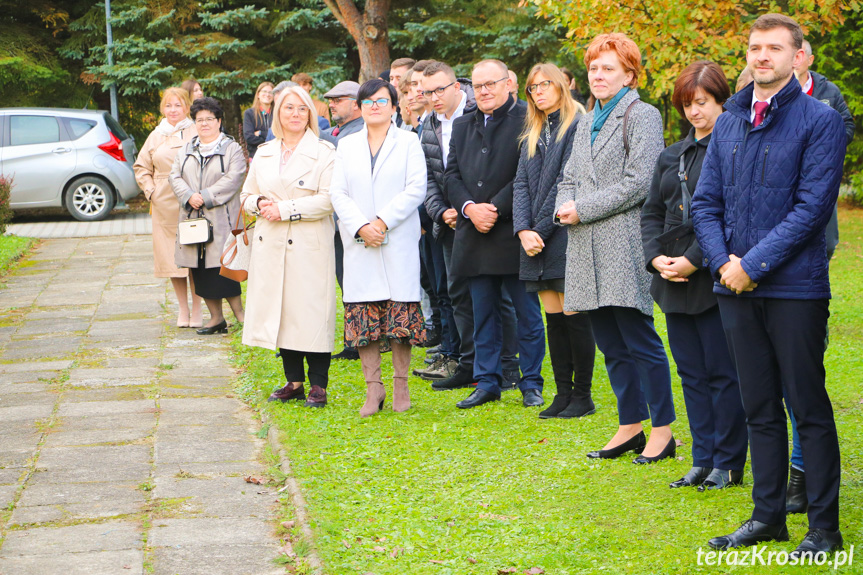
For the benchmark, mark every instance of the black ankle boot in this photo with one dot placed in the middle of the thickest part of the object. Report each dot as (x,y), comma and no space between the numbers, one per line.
(795,497)
(583,353)
(559,350)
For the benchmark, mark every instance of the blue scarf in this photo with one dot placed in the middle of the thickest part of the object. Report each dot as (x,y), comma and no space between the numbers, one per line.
(601,113)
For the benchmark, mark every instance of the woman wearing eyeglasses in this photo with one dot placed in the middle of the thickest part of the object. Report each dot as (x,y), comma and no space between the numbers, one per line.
(379,181)
(550,124)
(206,179)
(291,294)
(258,118)
(604,184)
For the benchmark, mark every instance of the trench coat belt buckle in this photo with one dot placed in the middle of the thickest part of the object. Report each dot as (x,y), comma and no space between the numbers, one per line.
(296,217)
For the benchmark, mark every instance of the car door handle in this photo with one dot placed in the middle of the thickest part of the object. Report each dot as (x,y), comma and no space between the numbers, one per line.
(61,150)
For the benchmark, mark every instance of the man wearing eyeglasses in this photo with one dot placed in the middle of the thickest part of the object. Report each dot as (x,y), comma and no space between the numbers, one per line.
(481,166)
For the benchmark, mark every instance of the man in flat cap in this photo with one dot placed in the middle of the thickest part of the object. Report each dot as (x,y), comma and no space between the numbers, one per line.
(345,111)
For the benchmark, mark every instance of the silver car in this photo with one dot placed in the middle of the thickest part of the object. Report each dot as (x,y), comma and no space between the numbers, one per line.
(78,159)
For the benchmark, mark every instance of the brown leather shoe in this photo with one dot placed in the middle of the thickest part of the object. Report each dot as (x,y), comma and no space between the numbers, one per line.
(292,390)
(317,397)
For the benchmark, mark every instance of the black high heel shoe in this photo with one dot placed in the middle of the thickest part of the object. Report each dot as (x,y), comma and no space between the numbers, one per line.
(670,450)
(635,444)
(218,328)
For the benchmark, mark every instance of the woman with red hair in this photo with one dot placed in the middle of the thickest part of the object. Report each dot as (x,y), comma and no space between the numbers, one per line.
(599,199)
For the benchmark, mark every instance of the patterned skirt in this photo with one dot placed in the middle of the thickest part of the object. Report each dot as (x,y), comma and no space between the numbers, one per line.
(382,321)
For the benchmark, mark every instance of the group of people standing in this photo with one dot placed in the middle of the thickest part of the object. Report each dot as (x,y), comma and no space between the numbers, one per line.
(499,207)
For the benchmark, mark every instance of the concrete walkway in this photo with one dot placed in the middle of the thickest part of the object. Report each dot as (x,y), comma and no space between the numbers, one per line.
(122,449)
(117,224)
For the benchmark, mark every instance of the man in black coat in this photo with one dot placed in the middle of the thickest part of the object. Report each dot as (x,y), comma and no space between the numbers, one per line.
(481,167)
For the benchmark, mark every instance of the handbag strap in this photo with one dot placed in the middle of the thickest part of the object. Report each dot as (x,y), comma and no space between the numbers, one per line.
(684,188)
(625,124)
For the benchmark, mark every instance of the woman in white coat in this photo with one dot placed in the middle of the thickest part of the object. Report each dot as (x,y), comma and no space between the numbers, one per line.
(291,294)
(379,181)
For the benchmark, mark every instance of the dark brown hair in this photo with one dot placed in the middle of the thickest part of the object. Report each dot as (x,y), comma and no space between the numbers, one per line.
(422,65)
(773,21)
(301,78)
(702,74)
(435,67)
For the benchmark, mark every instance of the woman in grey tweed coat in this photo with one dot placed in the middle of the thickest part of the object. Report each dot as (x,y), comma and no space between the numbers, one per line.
(605,182)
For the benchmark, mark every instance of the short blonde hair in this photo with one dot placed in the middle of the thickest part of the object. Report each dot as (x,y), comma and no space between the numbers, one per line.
(180,94)
(278,131)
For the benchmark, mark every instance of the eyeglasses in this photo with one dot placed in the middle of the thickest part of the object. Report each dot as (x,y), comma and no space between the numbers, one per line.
(488,85)
(541,87)
(439,91)
(381,102)
(202,121)
(339,99)
(290,109)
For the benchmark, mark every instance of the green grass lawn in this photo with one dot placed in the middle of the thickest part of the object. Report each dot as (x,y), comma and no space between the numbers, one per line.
(438,490)
(11,248)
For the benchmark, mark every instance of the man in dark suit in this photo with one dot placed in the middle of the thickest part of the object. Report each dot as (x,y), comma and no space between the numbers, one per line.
(481,166)
(767,188)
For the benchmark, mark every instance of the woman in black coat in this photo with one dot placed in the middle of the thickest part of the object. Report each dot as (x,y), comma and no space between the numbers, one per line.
(552,117)
(258,119)
(684,290)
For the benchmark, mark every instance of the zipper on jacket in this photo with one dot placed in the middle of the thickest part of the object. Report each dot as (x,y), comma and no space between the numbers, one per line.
(764,164)
(733,162)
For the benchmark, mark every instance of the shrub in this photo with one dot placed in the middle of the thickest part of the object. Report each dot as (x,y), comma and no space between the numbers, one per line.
(851,192)
(5,210)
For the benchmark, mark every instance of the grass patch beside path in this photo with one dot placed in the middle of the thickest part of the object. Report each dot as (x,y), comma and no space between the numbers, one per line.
(441,491)
(12,248)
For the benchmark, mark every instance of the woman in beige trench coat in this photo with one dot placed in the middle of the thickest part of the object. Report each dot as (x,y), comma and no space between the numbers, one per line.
(152,169)
(291,294)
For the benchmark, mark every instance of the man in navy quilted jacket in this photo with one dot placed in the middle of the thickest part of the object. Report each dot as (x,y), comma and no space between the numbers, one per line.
(770,178)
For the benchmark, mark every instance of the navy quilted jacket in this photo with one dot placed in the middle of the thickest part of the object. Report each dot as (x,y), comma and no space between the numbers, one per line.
(765,194)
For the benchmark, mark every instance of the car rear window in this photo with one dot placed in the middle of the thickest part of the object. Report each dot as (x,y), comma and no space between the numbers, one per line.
(78,128)
(26,130)
(115,127)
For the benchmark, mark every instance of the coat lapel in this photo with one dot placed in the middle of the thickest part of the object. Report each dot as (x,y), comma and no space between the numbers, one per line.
(614,123)
(386,149)
(302,160)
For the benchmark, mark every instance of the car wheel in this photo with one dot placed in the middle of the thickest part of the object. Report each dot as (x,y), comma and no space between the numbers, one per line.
(89,199)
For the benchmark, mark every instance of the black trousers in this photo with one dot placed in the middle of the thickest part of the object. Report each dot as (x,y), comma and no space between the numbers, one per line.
(778,344)
(319,366)
(710,389)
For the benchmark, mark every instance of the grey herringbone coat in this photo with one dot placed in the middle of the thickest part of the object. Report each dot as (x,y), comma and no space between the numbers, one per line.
(604,256)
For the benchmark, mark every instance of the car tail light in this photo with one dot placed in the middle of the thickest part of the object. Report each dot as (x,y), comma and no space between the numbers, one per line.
(114,148)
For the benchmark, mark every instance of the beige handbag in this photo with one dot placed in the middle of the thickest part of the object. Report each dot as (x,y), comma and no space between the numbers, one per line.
(195,231)
(237,253)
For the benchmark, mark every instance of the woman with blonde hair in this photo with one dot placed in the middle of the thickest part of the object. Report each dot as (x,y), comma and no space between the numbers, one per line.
(550,125)
(152,168)
(258,118)
(291,293)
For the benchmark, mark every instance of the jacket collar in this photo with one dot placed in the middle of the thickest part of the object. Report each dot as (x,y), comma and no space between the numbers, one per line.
(219,150)
(740,104)
(386,148)
(614,121)
(498,112)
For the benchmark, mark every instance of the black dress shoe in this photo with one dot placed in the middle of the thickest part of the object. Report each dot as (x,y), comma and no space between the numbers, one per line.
(669,450)
(818,541)
(694,476)
(461,378)
(532,398)
(578,407)
(750,533)
(795,497)
(350,353)
(221,327)
(721,478)
(433,338)
(635,443)
(478,397)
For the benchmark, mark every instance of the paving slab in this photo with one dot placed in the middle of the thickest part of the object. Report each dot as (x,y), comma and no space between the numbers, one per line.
(46,502)
(212,559)
(126,562)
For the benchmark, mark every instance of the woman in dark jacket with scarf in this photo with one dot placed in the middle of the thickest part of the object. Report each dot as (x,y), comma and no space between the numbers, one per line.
(684,292)
(550,124)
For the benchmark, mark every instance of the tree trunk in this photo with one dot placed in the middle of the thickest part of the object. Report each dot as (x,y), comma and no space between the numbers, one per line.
(369,30)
